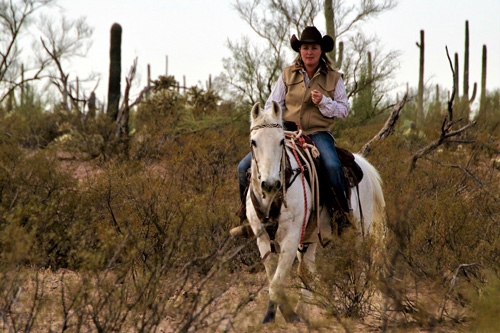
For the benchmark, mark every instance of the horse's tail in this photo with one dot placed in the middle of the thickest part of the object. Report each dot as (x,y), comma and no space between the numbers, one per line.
(371,175)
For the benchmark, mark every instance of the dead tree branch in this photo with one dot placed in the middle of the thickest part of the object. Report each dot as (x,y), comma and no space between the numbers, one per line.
(388,128)
(453,281)
(446,127)
(141,96)
(465,170)
(454,75)
(124,112)
(443,138)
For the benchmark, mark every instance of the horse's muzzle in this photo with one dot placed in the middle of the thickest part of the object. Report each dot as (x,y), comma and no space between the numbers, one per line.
(270,187)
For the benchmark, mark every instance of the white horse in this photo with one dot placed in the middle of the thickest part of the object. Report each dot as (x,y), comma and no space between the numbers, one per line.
(278,212)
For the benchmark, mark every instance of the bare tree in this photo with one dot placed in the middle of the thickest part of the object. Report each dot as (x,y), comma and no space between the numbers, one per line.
(388,129)
(15,18)
(362,53)
(381,65)
(57,40)
(124,111)
(448,134)
(340,18)
(63,39)
(254,68)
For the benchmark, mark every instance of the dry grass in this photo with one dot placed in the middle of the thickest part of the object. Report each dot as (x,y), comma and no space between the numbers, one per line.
(96,239)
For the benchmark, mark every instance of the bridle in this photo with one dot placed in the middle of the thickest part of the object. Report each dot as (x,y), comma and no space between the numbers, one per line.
(283,154)
(282,200)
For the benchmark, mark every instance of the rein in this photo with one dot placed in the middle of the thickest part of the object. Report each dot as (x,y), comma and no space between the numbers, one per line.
(294,140)
(282,168)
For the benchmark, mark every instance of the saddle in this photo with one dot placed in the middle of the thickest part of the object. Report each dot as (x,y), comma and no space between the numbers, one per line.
(327,197)
(352,172)
(352,176)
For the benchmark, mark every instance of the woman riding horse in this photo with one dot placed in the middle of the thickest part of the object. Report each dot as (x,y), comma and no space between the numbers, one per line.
(311,94)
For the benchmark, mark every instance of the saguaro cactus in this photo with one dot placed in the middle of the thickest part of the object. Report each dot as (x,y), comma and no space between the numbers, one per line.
(420,93)
(92,106)
(482,99)
(115,69)
(340,56)
(466,63)
(455,78)
(336,57)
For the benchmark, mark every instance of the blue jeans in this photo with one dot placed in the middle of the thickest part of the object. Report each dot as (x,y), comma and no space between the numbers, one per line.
(328,156)
(243,166)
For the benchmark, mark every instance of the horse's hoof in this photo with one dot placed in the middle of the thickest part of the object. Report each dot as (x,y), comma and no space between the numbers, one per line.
(269,318)
(270,313)
(294,318)
(289,315)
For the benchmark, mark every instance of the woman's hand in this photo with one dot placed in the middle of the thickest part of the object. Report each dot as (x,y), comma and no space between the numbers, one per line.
(316,96)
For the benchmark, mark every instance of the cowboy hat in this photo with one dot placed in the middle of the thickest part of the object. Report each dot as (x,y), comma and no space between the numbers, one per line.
(311,35)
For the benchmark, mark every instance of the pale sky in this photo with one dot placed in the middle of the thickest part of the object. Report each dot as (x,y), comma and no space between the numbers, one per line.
(193,34)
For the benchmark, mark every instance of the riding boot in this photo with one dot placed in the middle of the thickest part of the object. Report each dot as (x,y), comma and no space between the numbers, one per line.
(244,230)
(343,220)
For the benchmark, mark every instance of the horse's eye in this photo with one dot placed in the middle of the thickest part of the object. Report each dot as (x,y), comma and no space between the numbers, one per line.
(253,143)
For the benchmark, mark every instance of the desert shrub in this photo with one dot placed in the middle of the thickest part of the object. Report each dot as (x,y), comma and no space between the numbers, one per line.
(449,200)
(128,229)
(348,277)
(36,205)
(147,236)
(156,121)
(203,102)
(31,129)
(430,276)
(488,115)
(485,305)
(91,138)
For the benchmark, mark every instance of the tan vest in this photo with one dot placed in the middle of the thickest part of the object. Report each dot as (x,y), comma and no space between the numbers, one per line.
(299,107)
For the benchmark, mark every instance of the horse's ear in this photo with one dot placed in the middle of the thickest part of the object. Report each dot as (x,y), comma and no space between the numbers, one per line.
(277,109)
(255,110)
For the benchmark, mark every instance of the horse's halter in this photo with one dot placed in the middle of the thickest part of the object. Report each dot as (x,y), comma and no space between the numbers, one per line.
(282,164)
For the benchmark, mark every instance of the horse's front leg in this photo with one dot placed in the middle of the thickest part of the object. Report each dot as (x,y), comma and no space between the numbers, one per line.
(288,238)
(277,267)
(270,313)
(270,261)
(307,273)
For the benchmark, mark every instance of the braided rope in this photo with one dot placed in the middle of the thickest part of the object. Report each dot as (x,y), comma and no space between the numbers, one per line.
(266,126)
(292,139)
(304,222)
(312,152)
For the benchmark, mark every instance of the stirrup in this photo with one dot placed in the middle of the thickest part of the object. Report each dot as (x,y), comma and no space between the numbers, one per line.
(343,223)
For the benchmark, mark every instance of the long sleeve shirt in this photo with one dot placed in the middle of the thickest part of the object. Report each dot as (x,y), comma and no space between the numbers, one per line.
(337,107)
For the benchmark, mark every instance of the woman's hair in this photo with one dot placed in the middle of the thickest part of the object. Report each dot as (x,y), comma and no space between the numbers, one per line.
(325,63)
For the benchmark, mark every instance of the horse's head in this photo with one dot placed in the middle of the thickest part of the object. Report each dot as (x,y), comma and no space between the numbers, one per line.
(267,142)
